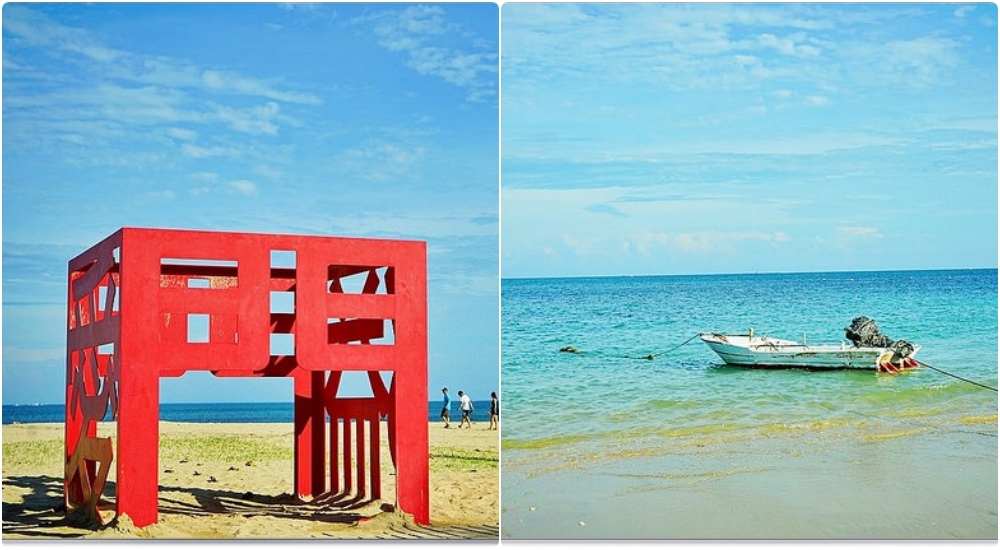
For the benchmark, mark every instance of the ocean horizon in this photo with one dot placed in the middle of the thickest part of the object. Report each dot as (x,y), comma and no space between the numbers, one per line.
(223,413)
(747,274)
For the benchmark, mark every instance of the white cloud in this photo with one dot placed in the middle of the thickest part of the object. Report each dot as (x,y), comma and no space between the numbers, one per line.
(183,134)
(236,83)
(855,232)
(914,63)
(205,176)
(580,247)
(962,11)
(644,243)
(380,160)
(789,45)
(244,187)
(268,172)
(421,32)
(711,241)
(123,91)
(30,28)
(198,152)
(251,121)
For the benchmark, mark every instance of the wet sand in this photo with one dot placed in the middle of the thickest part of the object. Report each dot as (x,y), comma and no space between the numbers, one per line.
(234,481)
(925,486)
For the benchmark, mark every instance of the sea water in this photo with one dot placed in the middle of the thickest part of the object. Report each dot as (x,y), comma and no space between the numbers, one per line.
(223,413)
(607,443)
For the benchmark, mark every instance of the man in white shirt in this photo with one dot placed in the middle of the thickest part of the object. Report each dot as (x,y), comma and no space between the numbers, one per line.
(465,403)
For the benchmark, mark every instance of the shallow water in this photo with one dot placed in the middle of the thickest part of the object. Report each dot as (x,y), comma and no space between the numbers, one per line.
(684,447)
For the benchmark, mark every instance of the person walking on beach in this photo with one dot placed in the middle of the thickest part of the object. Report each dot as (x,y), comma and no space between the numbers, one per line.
(465,403)
(446,409)
(494,411)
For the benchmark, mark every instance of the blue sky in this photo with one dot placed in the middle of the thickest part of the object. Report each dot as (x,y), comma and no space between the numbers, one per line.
(719,138)
(366,120)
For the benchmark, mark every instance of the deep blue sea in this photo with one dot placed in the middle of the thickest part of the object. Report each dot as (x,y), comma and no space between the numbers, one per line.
(220,412)
(638,438)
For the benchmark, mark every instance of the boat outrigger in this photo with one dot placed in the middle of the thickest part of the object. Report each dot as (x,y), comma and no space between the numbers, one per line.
(869,350)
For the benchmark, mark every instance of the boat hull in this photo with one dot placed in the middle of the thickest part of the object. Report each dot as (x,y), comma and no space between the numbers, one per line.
(764,352)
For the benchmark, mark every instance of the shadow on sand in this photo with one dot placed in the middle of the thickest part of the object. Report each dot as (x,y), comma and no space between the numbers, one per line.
(42,514)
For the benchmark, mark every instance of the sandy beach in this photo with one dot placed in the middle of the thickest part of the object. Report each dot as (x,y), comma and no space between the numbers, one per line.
(234,481)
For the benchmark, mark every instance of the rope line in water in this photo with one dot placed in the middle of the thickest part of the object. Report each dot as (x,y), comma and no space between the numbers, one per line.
(652,356)
(922,364)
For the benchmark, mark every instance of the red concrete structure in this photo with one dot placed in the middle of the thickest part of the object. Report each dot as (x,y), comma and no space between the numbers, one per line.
(149,303)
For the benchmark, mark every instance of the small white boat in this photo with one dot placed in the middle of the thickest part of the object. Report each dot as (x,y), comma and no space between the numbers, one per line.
(748,350)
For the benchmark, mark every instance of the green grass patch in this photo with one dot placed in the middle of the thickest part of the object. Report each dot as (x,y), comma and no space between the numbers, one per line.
(34,453)
(451,458)
(236,449)
(225,448)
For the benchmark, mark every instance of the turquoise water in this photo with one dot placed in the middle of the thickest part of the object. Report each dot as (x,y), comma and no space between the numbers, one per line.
(647,431)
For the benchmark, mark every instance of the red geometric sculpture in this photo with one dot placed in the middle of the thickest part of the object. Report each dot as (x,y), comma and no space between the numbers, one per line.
(146,303)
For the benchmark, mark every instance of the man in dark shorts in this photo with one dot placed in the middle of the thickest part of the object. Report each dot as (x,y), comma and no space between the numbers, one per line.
(465,403)
(446,409)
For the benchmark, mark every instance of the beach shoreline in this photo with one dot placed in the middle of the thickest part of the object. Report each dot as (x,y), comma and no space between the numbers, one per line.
(235,481)
(938,484)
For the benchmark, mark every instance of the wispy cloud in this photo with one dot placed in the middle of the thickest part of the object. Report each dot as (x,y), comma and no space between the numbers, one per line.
(855,232)
(423,34)
(244,187)
(238,84)
(794,45)
(920,61)
(117,92)
(961,11)
(710,242)
(200,152)
(707,243)
(182,134)
(380,160)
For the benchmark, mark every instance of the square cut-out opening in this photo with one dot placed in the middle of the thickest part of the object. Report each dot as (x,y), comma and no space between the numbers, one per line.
(283,259)
(190,272)
(197,328)
(353,279)
(358,384)
(372,332)
(282,344)
(282,302)
(102,298)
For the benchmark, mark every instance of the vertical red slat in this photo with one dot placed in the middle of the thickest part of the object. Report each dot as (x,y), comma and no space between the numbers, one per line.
(310,449)
(360,424)
(348,485)
(334,455)
(374,442)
